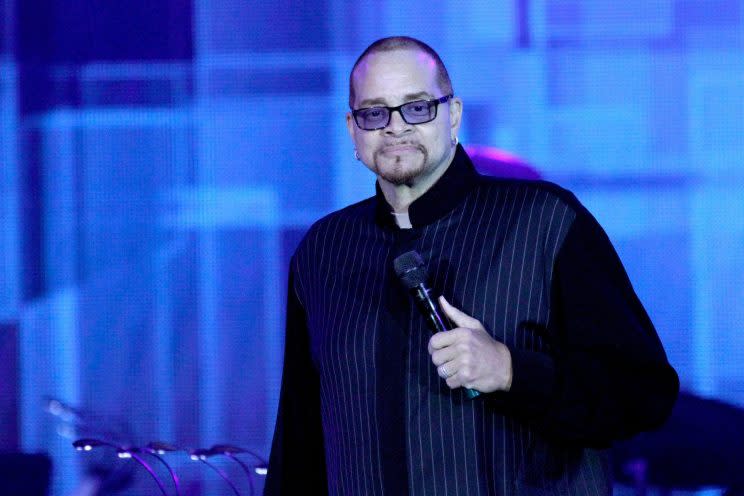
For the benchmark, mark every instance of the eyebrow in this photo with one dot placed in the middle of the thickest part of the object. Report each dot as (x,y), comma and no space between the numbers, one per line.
(410,97)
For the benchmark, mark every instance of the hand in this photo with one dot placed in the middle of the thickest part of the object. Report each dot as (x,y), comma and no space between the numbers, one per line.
(468,356)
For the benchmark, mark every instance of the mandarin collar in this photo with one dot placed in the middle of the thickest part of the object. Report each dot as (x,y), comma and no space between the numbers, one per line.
(447,193)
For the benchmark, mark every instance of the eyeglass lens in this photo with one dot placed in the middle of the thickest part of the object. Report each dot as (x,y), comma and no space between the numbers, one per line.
(418,112)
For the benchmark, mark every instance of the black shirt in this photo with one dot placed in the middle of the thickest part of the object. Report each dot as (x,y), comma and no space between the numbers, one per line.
(362,409)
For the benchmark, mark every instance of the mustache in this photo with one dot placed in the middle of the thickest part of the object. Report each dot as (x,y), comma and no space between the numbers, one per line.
(416,144)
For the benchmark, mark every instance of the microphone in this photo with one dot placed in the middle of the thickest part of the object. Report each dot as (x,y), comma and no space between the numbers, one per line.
(411,271)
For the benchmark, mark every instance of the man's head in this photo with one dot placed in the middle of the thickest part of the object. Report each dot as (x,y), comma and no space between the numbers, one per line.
(389,73)
(402,43)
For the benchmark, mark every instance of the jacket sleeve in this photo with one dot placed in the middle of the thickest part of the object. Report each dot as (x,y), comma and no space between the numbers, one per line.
(607,376)
(297,461)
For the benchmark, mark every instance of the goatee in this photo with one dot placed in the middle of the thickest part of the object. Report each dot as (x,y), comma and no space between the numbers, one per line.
(401,173)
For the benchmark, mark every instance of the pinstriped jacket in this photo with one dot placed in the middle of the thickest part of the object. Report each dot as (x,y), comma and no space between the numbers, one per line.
(362,410)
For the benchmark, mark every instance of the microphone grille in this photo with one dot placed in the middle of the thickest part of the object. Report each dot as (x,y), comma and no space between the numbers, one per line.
(410,269)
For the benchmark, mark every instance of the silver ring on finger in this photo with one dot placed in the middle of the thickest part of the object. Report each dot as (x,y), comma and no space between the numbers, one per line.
(443,372)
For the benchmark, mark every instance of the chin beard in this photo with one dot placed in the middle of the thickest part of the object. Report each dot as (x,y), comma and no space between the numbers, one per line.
(399,178)
(400,173)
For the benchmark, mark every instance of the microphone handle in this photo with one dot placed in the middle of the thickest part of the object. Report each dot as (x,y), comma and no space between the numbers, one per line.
(427,307)
(421,294)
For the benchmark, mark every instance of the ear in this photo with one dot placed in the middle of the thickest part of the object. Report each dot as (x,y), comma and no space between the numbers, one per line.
(455,110)
(350,124)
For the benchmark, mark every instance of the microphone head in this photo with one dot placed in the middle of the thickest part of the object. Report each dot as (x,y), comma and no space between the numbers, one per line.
(410,269)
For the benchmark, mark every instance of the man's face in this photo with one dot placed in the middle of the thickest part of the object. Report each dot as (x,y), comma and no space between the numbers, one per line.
(403,153)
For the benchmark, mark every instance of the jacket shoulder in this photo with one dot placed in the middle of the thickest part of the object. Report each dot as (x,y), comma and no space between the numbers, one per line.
(336,222)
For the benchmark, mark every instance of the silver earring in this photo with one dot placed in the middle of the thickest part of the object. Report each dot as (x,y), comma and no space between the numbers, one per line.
(356,154)
(454,141)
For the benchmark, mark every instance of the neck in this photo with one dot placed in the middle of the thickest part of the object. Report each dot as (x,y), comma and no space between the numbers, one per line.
(401,196)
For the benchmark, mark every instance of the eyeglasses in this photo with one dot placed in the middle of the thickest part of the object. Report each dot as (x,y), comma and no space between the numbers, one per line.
(418,112)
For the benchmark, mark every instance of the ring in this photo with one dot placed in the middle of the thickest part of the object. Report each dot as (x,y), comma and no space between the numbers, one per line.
(443,373)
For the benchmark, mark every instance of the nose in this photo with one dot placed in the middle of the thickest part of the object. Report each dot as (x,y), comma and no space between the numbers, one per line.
(397,125)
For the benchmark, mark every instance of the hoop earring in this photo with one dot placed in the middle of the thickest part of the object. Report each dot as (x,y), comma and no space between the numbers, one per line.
(454,141)
(356,154)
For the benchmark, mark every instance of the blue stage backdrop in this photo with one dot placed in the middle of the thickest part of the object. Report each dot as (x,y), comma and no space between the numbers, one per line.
(160,159)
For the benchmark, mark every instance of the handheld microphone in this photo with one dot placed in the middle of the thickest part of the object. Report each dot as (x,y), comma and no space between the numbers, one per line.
(411,271)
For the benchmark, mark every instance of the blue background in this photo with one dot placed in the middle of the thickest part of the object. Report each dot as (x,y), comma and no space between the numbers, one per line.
(160,159)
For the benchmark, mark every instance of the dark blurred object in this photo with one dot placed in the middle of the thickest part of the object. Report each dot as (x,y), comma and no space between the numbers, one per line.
(491,161)
(8,387)
(701,445)
(24,474)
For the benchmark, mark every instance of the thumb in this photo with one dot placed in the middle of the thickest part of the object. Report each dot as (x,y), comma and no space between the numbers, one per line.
(458,317)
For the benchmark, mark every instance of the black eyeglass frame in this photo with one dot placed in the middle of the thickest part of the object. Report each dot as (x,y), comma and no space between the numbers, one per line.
(433,102)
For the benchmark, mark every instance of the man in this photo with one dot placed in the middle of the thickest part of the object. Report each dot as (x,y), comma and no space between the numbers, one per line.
(546,324)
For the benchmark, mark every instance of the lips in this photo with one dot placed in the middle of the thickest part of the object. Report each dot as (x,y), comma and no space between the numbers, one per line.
(401,148)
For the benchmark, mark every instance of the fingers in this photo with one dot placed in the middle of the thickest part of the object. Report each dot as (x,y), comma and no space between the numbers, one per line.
(453,374)
(461,355)
(445,371)
(450,373)
(459,374)
(458,317)
(455,369)
(444,355)
(454,381)
(441,340)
